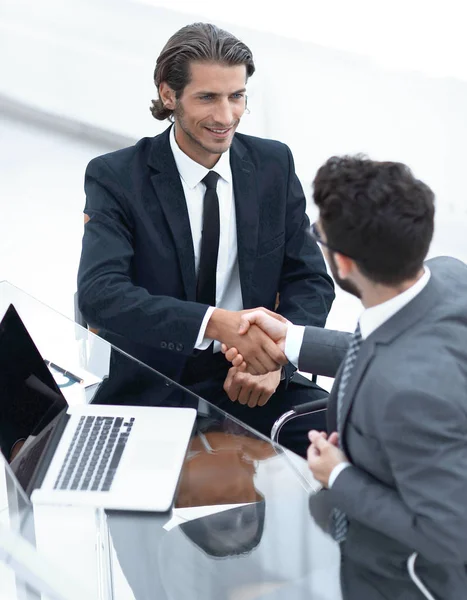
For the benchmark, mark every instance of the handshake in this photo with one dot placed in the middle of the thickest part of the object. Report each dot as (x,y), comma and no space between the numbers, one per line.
(252,340)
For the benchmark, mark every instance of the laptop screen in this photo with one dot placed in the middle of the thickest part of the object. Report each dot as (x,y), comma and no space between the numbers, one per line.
(30,400)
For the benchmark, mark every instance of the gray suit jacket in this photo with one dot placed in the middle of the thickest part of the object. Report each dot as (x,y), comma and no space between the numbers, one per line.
(405,433)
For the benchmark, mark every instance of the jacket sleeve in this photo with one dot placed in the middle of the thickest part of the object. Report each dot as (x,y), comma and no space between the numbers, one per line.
(323,350)
(306,290)
(107,297)
(424,439)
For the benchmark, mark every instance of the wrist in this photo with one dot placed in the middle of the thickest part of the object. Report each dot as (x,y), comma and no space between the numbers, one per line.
(214,328)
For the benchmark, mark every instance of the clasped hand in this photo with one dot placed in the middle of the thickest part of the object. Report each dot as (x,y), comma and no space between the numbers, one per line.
(260,344)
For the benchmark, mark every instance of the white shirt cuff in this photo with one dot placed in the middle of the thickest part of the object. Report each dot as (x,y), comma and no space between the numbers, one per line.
(336,472)
(203,342)
(293,342)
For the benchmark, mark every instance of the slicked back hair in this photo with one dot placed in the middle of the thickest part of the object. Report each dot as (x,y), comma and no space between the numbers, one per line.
(199,42)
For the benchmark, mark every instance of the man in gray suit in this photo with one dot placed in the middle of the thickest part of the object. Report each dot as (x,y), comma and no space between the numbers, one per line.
(393,464)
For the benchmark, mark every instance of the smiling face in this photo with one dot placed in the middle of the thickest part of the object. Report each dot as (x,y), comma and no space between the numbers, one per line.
(209,110)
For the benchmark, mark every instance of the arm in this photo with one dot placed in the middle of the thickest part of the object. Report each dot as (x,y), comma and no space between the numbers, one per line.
(306,290)
(323,350)
(107,296)
(424,439)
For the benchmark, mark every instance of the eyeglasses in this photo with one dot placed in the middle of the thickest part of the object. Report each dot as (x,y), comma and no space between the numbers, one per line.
(316,235)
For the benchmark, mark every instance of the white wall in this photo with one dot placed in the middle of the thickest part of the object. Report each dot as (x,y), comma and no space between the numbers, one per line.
(92,61)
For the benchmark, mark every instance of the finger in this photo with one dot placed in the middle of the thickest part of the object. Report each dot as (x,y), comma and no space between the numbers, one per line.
(264,398)
(224,349)
(274,353)
(244,394)
(255,395)
(228,380)
(313,434)
(334,438)
(231,354)
(320,443)
(235,390)
(258,365)
(244,324)
(238,361)
(242,367)
(250,369)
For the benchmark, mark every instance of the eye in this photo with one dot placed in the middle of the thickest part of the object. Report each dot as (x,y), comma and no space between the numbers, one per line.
(238,96)
(206,97)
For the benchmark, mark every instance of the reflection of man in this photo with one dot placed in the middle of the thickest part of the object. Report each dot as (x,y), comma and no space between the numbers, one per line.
(395,462)
(188,228)
(220,469)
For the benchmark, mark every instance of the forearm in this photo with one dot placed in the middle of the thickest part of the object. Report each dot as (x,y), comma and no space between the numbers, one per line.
(112,303)
(323,350)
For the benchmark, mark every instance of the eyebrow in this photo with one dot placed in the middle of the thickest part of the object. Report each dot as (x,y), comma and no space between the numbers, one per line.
(206,93)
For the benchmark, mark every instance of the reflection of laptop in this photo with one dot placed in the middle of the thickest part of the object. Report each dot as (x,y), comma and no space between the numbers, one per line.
(116,457)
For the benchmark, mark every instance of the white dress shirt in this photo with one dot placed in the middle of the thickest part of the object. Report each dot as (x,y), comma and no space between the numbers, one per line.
(370,320)
(228,290)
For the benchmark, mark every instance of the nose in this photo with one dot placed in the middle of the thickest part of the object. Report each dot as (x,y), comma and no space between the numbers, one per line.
(223,113)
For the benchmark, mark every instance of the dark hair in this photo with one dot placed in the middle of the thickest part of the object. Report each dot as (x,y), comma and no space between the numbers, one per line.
(376,213)
(232,532)
(197,42)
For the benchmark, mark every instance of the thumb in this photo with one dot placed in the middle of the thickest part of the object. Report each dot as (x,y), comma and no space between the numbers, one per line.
(246,321)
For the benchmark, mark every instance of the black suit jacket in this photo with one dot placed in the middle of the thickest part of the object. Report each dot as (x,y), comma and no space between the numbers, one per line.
(137,280)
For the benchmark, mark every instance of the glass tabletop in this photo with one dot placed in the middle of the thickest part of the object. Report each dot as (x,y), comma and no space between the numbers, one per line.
(240,527)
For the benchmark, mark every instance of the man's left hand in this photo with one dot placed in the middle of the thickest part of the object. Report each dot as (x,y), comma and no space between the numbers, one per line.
(253,390)
(323,455)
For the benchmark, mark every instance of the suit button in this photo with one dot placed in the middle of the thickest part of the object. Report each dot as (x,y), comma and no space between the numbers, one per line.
(179,347)
(164,345)
(171,346)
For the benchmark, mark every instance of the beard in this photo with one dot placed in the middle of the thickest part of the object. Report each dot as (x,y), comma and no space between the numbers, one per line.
(215,148)
(344,284)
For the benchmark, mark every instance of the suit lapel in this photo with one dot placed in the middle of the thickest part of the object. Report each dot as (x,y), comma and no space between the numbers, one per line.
(169,191)
(365,355)
(247,215)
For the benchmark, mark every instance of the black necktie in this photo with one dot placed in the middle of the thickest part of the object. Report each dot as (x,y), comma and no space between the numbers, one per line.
(206,289)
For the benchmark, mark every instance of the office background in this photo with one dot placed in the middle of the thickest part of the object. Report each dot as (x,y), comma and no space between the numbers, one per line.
(76,81)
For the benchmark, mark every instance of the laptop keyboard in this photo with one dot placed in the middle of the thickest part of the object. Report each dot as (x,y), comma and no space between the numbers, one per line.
(94,454)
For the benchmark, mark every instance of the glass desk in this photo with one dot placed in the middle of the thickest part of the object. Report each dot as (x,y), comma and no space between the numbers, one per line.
(240,528)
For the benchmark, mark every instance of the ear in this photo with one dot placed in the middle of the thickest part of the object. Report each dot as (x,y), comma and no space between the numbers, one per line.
(345,265)
(167,95)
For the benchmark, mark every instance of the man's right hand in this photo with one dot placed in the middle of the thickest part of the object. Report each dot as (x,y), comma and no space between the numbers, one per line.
(274,325)
(260,352)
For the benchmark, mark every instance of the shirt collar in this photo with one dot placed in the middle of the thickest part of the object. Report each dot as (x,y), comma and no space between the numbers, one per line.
(192,172)
(374,317)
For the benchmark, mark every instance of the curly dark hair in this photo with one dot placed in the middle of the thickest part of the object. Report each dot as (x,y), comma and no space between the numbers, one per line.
(377,213)
(196,42)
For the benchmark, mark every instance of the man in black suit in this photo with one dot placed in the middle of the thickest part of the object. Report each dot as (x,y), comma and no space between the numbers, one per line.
(187,229)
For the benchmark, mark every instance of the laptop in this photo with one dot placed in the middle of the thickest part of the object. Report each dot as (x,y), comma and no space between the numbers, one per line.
(114,457)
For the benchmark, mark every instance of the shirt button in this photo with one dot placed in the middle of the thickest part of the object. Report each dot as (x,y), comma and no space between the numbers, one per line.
(164,345)
(179,347)
(171,346)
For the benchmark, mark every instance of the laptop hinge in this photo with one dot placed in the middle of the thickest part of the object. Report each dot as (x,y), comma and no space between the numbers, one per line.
(46,458)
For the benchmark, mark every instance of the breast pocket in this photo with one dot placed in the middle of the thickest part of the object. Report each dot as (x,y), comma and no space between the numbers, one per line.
(271,245)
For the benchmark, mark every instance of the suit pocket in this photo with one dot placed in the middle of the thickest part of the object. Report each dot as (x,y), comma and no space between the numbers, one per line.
(270,245)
